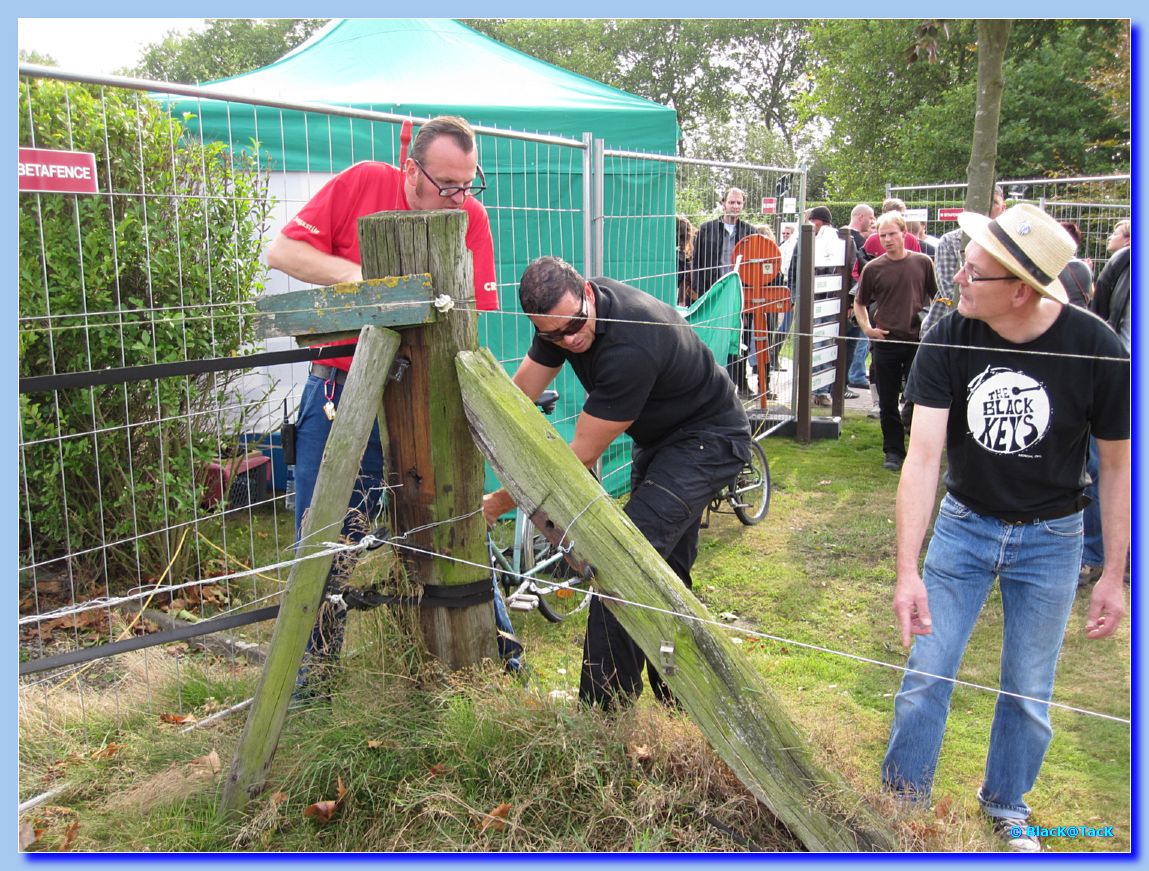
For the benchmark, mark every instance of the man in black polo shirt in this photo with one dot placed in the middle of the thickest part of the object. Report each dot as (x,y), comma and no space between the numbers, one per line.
(647,374)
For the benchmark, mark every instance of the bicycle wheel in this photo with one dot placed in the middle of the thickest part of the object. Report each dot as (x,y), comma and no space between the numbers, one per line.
(556,603)
(749,495)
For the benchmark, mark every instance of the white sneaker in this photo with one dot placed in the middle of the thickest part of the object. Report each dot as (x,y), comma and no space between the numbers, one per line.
(1018,836)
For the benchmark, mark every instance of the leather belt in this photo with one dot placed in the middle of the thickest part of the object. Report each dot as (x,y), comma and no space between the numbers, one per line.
(328,373)
(1078,504)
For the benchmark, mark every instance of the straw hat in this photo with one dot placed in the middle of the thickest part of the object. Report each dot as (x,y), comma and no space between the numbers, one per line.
(1027,242)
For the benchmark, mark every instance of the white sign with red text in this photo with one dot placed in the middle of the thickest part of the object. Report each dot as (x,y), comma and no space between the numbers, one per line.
(61,172)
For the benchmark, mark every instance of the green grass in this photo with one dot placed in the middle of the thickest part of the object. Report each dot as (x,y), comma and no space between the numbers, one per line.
(424,757)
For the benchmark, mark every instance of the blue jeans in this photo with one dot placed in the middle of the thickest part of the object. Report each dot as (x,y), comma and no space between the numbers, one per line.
(1093,553)
(312,430)
(856,350)
(1037,564)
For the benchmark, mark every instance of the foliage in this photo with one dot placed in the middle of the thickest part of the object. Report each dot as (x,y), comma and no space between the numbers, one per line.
(893,123)
(158,267)
(227,47)
(35,57)
(709,70)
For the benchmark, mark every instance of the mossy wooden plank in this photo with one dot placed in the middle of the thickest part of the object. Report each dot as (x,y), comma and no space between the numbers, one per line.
(437,472)
(395,301)
(322,523)
(711,678)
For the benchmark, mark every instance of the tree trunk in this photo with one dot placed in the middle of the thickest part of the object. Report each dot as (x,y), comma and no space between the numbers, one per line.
(981,174)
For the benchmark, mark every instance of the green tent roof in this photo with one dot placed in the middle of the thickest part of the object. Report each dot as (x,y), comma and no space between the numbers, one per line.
(429,66)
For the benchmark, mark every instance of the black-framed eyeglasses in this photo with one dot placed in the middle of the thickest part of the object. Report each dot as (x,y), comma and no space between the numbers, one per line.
(447,191)
(971,278)
(576,323)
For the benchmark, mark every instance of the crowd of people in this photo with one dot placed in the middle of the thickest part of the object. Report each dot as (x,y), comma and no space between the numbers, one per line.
(981,347)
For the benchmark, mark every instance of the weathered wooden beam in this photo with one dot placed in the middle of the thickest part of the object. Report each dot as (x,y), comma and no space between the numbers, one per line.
(437,472)
(726,697)
(323,522)
(396,301)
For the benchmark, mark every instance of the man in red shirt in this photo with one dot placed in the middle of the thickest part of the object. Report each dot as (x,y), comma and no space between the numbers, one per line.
(320,245)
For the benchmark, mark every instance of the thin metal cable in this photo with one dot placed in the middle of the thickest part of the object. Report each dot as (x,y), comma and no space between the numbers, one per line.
(815,647)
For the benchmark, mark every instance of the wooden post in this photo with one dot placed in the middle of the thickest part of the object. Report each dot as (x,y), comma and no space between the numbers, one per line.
(725,696)
(322,522)
(438,477)
(804,323)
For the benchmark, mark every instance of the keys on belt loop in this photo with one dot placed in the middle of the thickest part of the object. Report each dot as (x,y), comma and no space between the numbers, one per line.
(329,395)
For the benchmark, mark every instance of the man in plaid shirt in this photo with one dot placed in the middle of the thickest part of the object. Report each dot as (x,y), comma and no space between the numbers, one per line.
(948,261)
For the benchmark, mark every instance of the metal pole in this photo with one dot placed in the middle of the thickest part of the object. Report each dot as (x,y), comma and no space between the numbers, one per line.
(598,218)
(588,204)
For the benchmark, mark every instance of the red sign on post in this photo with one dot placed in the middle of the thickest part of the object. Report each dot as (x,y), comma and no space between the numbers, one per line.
(949,214)
(61,172)
(768,205)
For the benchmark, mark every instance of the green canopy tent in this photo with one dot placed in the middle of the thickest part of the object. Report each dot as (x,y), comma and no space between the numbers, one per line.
(428,67)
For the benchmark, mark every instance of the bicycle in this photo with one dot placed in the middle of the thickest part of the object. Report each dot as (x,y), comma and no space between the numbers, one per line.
(520,565)
(535,574)
(748,495)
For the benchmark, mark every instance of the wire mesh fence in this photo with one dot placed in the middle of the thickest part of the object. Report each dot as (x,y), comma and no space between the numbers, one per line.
(1093,203)
(146,489)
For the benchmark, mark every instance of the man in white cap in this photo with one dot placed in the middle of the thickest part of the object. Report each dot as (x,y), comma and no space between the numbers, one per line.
(1010,386)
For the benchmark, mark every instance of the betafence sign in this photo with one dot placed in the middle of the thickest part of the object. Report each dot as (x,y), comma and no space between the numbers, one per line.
(61,172)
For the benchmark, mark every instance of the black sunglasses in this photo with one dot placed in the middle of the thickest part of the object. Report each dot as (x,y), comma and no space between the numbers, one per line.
(576,323)
(446,191)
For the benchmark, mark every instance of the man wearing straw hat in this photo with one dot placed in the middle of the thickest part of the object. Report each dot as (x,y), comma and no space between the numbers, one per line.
(1011,386)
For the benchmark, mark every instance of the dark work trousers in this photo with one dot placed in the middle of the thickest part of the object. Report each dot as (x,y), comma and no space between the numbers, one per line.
(736,365)
(670,486)
(892,362)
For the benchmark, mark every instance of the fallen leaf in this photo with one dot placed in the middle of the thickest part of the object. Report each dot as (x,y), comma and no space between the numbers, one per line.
(210,761)
(374,744)
(178,719)
(107,751)
(496,819)
(640,755)
(323,811)
(437,770)
(943,808)
(29,834)
(70,837)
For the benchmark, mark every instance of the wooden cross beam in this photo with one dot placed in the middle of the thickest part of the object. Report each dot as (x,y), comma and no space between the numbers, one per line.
(314,314)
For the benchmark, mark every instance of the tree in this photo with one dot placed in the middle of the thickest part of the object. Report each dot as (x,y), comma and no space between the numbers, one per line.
(161,265)
(914,123)
(228,47)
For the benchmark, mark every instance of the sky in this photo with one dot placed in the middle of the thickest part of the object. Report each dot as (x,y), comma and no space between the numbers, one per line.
(97,45)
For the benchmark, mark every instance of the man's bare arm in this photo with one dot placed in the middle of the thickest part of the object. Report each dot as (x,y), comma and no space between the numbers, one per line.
(302,261)
(1107,603)
(862,316)
(916,495)
(532,378)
